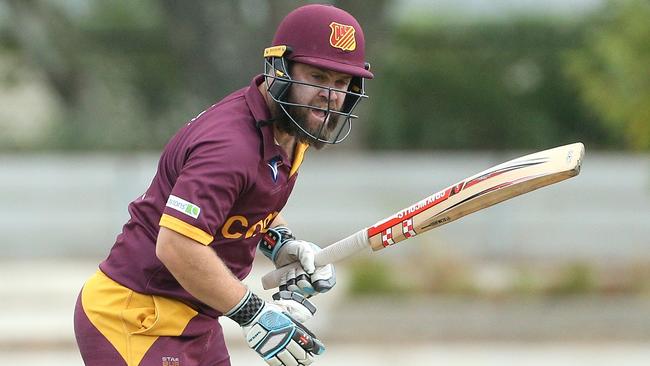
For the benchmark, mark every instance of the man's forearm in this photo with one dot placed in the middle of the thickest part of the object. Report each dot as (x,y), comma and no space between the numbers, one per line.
(199,270)
(278,221)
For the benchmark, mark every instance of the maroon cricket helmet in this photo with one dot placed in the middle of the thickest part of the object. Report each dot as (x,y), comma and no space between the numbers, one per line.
(328,38)
(325,37)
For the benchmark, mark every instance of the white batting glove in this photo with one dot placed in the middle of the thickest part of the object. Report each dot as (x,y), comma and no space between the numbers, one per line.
(273,334)
(280,245)
(295,304)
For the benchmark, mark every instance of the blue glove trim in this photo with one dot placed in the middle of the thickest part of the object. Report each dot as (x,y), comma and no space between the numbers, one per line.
(277,325)
(286,334)
(273,240)
(272,320)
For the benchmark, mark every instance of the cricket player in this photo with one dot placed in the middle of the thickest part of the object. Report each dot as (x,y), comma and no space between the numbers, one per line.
(220,186)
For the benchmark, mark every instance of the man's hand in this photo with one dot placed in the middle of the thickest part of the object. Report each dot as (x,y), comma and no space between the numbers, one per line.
(279,245)
(273,334)
(295,304)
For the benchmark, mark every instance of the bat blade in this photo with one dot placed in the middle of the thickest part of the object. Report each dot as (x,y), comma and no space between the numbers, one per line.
(485,189)
(477,192)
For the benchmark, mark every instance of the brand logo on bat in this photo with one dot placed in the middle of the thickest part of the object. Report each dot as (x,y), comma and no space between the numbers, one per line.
(457,188)
(422,204)
(436,223)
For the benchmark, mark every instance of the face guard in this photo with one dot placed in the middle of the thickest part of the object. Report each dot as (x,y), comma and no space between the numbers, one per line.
(337,124)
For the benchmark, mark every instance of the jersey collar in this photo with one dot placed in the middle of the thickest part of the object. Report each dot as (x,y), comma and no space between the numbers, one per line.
(261,114)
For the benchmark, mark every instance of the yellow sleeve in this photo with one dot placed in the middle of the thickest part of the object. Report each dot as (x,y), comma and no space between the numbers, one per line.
(185,229)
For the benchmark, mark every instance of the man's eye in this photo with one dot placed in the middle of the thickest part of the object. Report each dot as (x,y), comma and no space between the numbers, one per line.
(342,84)
(317,76)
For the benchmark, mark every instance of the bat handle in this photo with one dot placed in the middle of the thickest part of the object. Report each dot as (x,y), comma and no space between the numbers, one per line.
(330,254)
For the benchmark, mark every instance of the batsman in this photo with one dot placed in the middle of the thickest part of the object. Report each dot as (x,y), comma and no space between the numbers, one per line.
(221,183)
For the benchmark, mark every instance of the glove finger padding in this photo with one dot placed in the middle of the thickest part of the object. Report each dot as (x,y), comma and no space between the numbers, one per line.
(295,304)
(323,278)
(299,281)
(296,280)
(288,280)
(298,353)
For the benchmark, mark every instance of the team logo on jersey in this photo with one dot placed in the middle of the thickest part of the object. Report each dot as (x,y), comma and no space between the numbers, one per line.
(342,36)
(274,164)
(183,206)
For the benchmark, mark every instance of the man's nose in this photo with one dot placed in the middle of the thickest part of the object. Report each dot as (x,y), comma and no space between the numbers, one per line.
(330,95)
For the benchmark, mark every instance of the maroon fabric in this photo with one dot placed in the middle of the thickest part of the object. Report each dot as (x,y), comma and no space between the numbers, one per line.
(95,349)
(224,161)
(201,344)
(308,32)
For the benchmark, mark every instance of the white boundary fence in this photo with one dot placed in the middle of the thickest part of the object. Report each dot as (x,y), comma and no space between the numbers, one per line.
(67,205)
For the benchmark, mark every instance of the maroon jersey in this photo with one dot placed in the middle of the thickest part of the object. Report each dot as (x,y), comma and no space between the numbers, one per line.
(221,180)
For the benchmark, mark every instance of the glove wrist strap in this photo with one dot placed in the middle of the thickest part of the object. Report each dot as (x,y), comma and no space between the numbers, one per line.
(246,310)
(273,240)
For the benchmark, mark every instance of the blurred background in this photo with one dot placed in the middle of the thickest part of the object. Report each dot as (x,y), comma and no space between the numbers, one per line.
(90,91)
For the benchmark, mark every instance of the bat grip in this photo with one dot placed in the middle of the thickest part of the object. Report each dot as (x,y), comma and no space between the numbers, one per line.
(330,254)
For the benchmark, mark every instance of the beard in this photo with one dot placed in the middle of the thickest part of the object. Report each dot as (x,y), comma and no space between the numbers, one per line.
(300,117)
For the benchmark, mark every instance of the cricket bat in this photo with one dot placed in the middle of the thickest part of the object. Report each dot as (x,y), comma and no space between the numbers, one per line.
(482,190)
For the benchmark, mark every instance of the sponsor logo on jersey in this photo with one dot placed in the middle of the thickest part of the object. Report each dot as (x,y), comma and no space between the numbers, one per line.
(240,227)
(342,36)
(171,361)
(183,206)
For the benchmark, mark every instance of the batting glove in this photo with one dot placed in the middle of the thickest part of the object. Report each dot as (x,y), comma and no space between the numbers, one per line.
(271,332)
(281,247)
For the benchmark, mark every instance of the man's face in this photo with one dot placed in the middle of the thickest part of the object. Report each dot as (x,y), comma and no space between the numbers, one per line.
(316,121)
